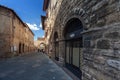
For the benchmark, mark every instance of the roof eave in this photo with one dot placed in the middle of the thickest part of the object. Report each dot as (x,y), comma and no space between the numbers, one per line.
(43,21)
(45,5)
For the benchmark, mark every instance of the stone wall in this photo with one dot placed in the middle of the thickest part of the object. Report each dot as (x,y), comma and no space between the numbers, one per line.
(13,32)
(101,59)
(5,31)
(22,35)
(101,36)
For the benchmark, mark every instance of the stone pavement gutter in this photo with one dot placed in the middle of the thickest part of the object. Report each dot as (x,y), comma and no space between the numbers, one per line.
(66,70)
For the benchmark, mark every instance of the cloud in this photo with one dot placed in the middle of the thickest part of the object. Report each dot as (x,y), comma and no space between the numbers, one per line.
(33,26)
(40,25)
(43,36)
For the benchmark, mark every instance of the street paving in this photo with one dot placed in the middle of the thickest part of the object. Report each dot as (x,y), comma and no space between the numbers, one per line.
(36,66)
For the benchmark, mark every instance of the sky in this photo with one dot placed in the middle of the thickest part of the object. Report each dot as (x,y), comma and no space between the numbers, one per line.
(29,11)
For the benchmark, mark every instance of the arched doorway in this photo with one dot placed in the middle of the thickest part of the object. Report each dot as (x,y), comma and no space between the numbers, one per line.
(73,45)
(20,47)
(56,44)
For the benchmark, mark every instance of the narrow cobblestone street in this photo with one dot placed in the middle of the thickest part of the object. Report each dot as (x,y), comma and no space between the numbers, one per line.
(35,66)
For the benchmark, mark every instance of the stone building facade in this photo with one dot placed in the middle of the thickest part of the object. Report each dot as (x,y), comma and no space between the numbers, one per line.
(85,36)
(48,22)
(16,38)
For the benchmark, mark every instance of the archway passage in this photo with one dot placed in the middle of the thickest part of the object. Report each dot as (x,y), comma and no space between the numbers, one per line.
(73,45)
(56,46)
(42,47)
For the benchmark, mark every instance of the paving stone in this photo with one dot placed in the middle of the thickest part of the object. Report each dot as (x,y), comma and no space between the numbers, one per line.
(20,72)
(2,75)
(35,65)
(44,69)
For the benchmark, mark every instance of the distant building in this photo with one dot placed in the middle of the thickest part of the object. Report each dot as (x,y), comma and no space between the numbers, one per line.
(40,44)
(16,38)
(84,35)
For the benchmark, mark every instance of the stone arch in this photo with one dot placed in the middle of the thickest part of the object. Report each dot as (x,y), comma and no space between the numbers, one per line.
(56,45)
(70,25)
(42,43)
(42,46)
(73,38)
(68,19)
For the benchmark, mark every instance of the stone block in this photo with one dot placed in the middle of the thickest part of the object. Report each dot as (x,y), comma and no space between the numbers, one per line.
(109,53)
(103,44)
(91,3)
(114,63)
(113,35)
(99,5)
(101,22)
(113,18)
(99,59)
(116,46)
(88,75)
(93,18)
(87,43)
(97,35)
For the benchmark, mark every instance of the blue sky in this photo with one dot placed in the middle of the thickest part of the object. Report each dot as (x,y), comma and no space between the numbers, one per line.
(29,11)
